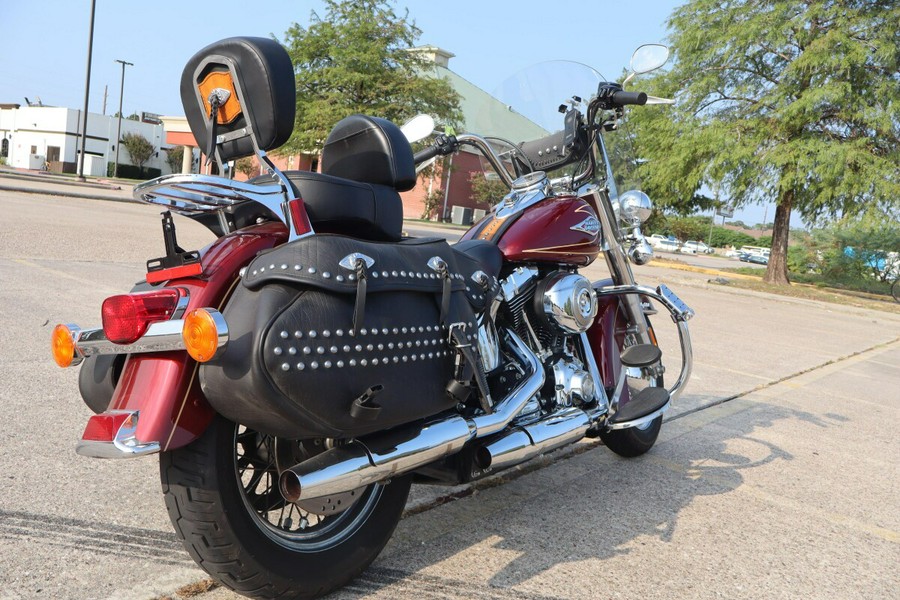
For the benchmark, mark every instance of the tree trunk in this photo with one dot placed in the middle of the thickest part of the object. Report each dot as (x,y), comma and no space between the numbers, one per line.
(777,271)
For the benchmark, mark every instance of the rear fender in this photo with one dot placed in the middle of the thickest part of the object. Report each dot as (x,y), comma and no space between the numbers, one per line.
(162,387)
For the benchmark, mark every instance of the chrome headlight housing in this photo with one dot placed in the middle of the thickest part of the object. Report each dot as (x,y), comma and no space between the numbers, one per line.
(634,207)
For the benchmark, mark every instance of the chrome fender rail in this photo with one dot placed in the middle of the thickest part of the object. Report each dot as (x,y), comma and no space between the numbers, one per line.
(680,312)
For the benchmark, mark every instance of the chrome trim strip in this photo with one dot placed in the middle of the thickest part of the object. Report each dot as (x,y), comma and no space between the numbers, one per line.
(642,420)
(161,336)
(124,445)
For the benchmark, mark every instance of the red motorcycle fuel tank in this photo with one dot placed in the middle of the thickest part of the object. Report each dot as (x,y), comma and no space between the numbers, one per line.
(560,230)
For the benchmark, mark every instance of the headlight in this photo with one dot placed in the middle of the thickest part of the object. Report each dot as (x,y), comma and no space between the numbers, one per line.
(635,207)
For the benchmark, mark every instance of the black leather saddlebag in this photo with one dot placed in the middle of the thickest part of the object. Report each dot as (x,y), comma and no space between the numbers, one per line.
(297,365)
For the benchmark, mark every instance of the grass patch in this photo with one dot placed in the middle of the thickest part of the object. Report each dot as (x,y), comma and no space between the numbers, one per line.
(823,294)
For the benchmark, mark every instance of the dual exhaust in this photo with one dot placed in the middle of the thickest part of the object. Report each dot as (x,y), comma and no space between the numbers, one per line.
(394,453)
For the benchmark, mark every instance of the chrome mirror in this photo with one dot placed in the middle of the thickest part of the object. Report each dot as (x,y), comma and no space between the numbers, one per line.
(418,128)
(649,57)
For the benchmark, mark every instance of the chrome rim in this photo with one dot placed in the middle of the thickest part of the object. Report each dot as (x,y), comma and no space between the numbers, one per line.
(256,462)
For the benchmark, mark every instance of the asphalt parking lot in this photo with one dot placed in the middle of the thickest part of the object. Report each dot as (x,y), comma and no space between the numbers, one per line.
(776,476)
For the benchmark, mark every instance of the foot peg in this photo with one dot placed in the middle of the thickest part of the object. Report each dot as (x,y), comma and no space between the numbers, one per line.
(641,355)
(646,403)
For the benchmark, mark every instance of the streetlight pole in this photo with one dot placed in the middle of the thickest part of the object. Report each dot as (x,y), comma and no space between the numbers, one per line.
(87,93)
(119,127)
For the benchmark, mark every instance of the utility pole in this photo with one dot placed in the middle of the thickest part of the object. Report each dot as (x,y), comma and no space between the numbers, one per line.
(87,93)
(119,127)
(105,94)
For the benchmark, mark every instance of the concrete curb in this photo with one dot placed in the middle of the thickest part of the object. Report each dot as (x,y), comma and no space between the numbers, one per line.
(63,193)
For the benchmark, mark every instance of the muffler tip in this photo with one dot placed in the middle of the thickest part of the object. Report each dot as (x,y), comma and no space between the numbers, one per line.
(289,484)
(483,458)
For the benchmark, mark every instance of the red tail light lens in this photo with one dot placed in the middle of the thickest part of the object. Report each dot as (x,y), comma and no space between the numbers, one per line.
(127,317)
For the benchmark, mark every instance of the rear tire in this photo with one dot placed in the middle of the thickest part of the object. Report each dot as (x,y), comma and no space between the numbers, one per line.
(221,500)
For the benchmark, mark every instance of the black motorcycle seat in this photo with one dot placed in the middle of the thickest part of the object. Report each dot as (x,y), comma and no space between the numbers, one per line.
(487,254)
(336,205)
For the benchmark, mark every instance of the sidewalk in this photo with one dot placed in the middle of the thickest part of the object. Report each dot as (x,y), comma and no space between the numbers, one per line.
(54,184)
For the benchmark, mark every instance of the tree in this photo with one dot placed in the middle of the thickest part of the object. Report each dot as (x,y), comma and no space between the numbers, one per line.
(247,166)
(486,192)
(139,149)
(174,158)
(783,100)
(359,59)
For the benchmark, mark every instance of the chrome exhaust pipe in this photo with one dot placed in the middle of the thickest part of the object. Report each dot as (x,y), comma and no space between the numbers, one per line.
(359,463)
(555,431)
(386,455)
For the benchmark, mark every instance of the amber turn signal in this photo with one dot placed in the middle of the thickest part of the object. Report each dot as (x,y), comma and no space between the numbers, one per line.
(201,332)
(62,345)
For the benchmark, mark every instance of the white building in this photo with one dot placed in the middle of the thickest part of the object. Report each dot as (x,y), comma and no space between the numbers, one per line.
(31,135)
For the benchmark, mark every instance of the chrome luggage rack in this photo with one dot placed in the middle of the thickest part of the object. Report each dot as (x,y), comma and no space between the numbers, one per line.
(190,194)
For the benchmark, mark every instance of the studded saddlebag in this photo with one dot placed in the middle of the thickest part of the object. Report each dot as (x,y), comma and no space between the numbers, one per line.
(297,366)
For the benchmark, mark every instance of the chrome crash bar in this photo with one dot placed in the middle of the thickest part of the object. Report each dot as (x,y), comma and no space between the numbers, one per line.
(681,313)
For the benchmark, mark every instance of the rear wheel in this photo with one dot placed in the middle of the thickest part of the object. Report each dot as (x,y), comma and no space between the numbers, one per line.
(634,441)
(222,496)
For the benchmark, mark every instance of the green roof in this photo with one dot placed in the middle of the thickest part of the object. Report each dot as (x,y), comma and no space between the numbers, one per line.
(487,116)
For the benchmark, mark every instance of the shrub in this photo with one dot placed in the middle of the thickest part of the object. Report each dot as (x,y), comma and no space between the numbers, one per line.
(132,172)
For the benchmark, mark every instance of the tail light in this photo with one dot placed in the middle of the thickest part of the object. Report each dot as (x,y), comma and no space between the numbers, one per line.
(127,317)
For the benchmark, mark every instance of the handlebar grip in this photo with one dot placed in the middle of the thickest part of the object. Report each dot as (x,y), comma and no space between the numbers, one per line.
(423,155)
(623,98)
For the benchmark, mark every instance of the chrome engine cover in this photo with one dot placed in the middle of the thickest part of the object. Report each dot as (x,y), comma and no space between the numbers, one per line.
(567,302)
(574,385)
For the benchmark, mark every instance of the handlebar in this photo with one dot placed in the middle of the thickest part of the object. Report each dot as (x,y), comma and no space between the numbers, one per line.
(623,98)
(446,144)
(427,154)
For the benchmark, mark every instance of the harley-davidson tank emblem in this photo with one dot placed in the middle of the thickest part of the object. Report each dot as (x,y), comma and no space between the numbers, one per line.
(590,226)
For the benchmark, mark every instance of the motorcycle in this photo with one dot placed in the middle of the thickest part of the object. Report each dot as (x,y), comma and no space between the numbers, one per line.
(299,373)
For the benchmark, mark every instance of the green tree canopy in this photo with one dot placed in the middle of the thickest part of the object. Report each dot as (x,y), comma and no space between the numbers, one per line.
(359,58)
(797,102)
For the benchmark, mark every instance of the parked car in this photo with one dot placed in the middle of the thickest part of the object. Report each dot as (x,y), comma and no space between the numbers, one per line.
(665,243)
(668,244)
(697,247)
(760,259)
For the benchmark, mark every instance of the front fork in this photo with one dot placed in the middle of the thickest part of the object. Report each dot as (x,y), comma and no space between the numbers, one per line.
(629,294)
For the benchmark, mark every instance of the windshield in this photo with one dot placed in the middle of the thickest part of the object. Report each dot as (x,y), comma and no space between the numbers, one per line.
(526,107)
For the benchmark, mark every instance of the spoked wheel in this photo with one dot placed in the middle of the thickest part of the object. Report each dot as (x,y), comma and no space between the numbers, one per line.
(222,496)
(633,441)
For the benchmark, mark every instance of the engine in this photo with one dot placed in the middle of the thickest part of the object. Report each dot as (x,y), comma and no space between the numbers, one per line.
(551,311)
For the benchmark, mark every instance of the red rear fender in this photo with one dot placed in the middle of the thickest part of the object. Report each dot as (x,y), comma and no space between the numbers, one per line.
(162,386)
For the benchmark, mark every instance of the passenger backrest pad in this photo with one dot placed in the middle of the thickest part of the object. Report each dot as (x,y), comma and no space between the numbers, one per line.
(371,150)
(258,75)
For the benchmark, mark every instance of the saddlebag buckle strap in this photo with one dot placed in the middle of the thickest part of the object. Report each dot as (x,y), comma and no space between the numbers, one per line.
(436,263)
(358,263)
(468,365)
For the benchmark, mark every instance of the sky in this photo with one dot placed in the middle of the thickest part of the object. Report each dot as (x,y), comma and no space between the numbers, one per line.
(45,43)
